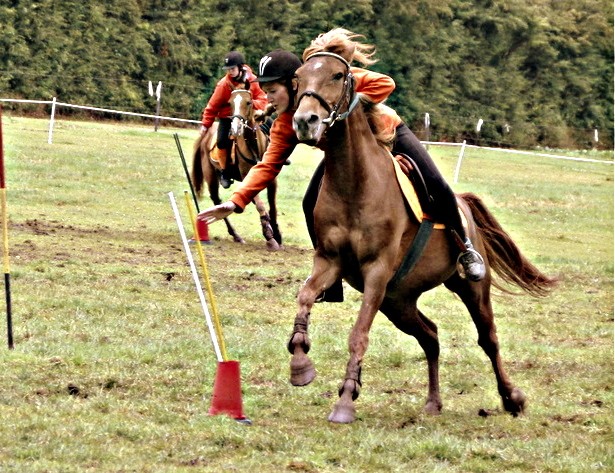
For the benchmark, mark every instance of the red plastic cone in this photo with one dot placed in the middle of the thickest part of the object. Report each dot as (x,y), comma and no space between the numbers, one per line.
(203,232)
(226,398)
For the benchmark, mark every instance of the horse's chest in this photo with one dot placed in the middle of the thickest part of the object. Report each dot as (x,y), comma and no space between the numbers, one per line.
(354,239)
(358,227)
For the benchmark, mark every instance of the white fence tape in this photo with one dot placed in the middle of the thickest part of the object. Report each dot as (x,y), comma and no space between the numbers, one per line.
(54,103)
(463,145)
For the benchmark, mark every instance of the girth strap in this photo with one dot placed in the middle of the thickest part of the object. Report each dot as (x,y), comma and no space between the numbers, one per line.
(414,253)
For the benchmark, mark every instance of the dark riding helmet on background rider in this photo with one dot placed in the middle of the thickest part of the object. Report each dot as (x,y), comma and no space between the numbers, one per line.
(232,59)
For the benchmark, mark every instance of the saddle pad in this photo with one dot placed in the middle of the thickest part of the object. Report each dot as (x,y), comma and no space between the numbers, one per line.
(413,200)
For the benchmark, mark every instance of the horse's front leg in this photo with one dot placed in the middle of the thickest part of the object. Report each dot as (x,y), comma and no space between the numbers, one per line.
(344,409)
(302,370)
(214,194)
(272,244)
(272,190)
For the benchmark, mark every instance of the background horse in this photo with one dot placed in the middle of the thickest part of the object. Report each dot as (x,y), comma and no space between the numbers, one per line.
(364,232)
(249,144)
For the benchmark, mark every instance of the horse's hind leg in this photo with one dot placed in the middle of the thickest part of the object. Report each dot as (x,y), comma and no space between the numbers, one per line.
(411,321)
(477,299)
(272,244)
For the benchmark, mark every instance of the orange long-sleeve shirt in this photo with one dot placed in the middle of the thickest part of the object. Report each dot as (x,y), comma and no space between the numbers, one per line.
(218,106)
(283,140)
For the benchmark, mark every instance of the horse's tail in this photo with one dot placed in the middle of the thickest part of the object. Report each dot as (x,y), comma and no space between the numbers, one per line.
(504,255)
(197,167)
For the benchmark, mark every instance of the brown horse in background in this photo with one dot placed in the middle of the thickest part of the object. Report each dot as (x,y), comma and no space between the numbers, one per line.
(249,145)
(364,231)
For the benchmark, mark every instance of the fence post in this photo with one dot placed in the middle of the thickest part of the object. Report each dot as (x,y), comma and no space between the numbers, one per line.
(51,121)
(458,167)
(427,122)
(158,95)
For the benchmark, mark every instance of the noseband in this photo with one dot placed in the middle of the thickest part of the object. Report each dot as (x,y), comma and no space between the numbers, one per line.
(348,92)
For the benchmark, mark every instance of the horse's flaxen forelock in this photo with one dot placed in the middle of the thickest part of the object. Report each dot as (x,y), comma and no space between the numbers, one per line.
(342,41)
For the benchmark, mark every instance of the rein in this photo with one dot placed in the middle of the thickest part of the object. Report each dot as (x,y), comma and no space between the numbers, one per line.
(348,92)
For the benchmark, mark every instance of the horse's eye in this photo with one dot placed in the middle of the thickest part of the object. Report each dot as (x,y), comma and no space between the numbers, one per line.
(338,76)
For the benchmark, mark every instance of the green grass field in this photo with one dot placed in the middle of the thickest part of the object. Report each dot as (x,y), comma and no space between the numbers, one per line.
(113,367)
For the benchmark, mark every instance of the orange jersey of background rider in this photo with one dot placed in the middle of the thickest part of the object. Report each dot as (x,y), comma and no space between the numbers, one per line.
(375,86)
(218,106)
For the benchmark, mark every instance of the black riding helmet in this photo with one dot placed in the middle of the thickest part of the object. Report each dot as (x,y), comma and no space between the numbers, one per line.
(232,59)
(278,65)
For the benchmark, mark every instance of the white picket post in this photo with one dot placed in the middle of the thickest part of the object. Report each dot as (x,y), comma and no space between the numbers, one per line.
(52,121)
(458,167)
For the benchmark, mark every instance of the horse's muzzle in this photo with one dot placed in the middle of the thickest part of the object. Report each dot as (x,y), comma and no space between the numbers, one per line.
(308,127)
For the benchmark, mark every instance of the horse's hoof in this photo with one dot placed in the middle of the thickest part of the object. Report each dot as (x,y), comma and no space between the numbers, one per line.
(273,245)
(302,370)
(238,239)
(516,403)
(433,408)
(343,413)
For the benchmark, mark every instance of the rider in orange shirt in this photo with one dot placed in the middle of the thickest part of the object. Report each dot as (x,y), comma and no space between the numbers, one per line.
(276,74)
(238,74)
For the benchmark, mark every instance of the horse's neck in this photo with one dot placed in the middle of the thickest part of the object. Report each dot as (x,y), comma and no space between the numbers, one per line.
(253,141)
(250,118)
(353,157)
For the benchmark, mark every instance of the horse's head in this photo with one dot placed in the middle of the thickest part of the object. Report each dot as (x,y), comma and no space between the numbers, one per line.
(325,95)
(242,113)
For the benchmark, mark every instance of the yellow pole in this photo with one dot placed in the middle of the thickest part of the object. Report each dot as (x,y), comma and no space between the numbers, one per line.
(5,246)
(210,292)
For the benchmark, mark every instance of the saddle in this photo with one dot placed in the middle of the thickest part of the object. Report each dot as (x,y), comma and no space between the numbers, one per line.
(419,204)
(209,142)
(414,188)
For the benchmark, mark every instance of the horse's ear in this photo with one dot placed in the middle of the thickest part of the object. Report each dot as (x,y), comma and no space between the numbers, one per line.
(246,84)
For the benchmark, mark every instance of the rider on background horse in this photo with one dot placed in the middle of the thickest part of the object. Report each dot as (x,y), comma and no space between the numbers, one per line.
(277,76)
(238,74)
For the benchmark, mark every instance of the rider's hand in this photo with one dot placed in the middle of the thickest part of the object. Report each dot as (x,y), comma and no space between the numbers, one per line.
(217,212)
(259,116)
(203,130)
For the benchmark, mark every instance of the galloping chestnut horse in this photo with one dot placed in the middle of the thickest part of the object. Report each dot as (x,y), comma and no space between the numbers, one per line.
(364,232)
(249,144)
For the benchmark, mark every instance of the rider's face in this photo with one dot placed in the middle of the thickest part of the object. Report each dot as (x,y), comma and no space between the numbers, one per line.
(233,71)
(277,95)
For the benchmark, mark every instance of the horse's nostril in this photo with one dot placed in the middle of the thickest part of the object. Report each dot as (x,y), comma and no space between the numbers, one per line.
(312,119)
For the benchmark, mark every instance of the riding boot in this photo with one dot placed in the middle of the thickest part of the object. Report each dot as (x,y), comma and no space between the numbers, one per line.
(334,294)
(470,263)
(225,181)
(222,158)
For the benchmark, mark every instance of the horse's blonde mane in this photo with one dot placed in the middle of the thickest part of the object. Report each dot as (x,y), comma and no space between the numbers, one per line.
(341,41)
(373,112)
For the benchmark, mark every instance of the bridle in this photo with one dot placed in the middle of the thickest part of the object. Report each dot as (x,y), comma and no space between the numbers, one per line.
(251,140)
(348,92)
(243,121)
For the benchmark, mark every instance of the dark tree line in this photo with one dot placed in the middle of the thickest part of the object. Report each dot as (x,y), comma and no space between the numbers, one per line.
(538,72)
